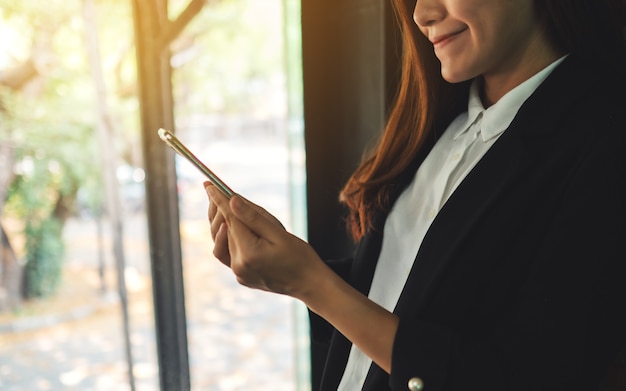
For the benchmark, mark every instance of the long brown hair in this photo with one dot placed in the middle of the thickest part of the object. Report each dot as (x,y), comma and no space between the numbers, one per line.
(425,101)
(416,110)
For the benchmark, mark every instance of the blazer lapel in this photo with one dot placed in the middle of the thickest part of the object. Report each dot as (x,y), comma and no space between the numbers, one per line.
(492,175)
(367,253)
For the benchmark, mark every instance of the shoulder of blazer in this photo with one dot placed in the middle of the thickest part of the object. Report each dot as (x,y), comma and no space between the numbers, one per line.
(576,81)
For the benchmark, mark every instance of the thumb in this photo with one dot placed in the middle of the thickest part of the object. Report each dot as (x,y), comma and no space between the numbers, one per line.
(262,225)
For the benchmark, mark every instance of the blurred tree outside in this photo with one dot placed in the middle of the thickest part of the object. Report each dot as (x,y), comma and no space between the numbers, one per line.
(48,144)
(47,130)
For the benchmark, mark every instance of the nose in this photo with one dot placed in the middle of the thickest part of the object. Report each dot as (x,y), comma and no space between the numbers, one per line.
(428,12)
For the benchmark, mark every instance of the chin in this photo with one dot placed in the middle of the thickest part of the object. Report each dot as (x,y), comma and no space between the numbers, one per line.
(455,78)
(456,74)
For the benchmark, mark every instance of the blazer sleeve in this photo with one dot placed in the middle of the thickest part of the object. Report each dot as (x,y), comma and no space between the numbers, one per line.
(568,319)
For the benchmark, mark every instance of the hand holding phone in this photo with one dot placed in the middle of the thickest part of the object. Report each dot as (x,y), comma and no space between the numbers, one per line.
(183,151)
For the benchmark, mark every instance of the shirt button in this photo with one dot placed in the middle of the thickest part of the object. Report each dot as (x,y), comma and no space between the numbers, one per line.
(432,213)
(416,384)
(456,156)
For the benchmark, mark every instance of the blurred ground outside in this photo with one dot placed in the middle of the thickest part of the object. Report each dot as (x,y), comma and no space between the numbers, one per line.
(239,339)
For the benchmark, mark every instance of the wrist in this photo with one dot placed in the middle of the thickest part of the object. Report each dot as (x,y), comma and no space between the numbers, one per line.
(317,284)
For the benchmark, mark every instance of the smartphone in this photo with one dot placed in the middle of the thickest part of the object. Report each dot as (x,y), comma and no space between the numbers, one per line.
(183,151)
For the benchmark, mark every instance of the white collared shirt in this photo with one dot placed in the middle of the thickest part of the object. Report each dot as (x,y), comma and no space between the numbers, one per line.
(455,154)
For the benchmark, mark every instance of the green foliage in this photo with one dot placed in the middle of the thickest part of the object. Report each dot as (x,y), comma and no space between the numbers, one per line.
(32,198)
(49,124)
(49,171)
(42,272)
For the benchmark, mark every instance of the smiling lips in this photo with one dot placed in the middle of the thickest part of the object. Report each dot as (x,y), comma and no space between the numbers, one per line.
(441,40)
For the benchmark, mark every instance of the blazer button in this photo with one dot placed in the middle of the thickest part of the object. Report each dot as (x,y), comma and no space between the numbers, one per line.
(416,384)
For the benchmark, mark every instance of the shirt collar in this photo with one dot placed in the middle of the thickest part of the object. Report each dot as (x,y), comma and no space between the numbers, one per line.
(497,118)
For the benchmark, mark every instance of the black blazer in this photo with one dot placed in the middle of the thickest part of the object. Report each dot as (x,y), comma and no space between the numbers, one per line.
(520,282)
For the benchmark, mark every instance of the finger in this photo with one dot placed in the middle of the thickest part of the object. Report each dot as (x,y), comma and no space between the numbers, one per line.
(212,205)
(221,250)
(212,210)
(216,223)
(244,246)
(216,219)
(216,198)
(262,224)
(263,212)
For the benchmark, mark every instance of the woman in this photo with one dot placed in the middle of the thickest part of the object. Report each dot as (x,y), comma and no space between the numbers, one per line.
(489,218)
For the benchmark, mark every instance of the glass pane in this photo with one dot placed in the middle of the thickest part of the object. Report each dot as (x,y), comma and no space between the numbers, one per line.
(235,107)
(231,91)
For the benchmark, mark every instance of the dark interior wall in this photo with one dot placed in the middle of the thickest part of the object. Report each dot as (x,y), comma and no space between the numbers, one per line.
(349,72)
